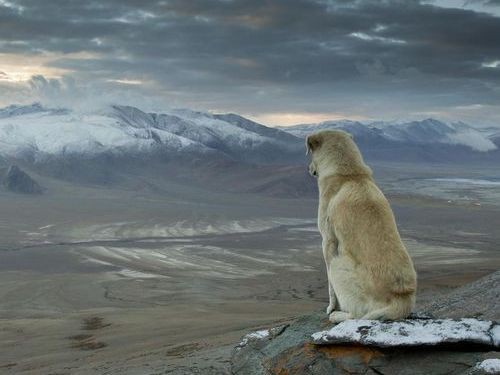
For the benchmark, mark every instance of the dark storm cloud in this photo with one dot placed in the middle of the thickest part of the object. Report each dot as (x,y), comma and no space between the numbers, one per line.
(257,55)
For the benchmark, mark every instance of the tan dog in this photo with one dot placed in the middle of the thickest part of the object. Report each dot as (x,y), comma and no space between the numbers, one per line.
(370,274)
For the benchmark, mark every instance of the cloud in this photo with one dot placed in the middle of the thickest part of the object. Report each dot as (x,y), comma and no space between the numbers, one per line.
(474,140)
(363,58)
(484,2)
(66,92)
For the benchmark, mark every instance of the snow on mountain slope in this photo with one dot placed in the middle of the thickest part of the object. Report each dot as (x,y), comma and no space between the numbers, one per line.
(15,110)
(302,130)
(362,133)
(434,131)
(44,132)
(252,126)
(428,131)
(34,132)
(241,139)
(419,131)
(494,136)
(201,123)
(37,131)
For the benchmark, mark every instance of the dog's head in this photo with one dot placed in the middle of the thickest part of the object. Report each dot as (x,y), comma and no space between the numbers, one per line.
(334,152)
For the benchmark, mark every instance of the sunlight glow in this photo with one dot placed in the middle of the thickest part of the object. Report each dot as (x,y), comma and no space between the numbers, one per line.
(289,119)
(18,68)
(491,64)
(126,81)
(376,38)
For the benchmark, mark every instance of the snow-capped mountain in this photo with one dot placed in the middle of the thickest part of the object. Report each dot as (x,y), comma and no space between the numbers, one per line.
(434,131)
(16,110)
(38,132)
(425,132)
(495,138)
(127,146)
(357,129)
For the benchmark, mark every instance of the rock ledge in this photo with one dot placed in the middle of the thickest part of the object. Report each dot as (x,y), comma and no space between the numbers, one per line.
(418,332)
(417,346)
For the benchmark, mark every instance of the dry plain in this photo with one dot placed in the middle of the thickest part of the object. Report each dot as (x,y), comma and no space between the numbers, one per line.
(102,280)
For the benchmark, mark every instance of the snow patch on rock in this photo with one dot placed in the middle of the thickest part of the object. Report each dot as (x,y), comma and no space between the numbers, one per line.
(490,366)
(263,334)
(416,332)
(257,335)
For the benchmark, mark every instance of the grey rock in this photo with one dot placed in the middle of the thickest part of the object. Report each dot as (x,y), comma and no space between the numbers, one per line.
(488,366)
(480,299)
(410,332)
(290,350)
(18,181)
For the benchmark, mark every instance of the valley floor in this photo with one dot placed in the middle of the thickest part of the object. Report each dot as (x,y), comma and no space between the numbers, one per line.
(107,281)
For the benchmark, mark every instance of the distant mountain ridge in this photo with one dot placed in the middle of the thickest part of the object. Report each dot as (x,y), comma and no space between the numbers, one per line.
(123,145)
(428,131)
(36,133)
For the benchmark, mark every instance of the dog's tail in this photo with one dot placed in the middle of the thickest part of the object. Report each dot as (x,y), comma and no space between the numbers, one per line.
(399,308)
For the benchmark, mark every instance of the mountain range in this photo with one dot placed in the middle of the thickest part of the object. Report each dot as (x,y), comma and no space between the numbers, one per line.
(36,132)
(425,132)
(185,145)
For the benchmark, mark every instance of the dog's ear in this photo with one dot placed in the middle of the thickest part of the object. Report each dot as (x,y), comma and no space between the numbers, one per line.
(313,142)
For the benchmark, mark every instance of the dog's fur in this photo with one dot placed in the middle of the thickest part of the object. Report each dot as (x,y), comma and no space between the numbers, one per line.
(370,274)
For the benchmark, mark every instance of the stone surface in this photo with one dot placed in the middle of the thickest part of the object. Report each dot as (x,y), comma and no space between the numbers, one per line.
(290,350)
(417,332)
(488,366)
(480,299)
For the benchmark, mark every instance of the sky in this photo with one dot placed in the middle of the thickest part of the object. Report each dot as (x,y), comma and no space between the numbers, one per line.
(279,62)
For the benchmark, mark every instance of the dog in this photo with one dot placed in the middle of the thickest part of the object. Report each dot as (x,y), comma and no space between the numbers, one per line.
(370,273)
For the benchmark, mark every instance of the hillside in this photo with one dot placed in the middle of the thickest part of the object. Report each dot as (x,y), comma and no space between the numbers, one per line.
(123,144)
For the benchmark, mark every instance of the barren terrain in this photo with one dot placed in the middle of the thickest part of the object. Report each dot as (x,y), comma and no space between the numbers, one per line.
(98,280)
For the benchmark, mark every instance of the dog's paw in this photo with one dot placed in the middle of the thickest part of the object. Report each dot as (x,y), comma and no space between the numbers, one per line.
(339,316)
(329,309)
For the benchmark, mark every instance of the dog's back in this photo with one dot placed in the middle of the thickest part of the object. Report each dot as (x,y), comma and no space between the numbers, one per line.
(365,226)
